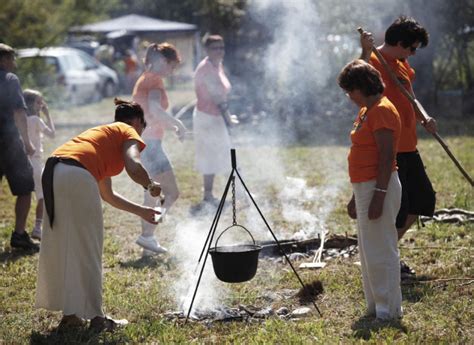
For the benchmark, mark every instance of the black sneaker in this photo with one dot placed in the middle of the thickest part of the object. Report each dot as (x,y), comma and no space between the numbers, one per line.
(405,270)
(23,241)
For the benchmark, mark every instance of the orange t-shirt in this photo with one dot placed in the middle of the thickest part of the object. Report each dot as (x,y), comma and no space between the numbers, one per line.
(209,76)
(406,75)
(99,149)
(150,81)
(363,157)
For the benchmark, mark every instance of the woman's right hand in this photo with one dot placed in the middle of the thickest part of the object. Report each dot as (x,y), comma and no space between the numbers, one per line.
(351,208)
(366,41)
(149,214)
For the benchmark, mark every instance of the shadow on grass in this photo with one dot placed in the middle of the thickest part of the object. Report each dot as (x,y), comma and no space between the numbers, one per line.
(204,209)
(413,289)
(13,255)
(367,324)
(77,336)
(149,262)
(70,336)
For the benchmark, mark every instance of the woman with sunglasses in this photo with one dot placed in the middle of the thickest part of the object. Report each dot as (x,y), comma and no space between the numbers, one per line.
(75,178)
(402,40)
(376,188)
(149,91)
(211,116)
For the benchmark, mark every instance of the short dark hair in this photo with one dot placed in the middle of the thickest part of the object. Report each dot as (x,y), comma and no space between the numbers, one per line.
(407,31)
(6,50)
(359,75)
(166,50)
(207,40)
(126,111)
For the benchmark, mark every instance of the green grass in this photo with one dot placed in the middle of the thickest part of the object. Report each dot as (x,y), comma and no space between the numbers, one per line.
(142,290)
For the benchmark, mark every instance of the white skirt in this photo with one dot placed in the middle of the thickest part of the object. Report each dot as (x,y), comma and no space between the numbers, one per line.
(212,144)
(70,260)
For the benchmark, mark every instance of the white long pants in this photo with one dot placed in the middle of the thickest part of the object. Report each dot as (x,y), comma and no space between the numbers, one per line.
(379,257)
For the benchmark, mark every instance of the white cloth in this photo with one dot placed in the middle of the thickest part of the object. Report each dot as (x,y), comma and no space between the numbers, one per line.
(37,164)
(379,257)
(36,128)
(70,261)
(212,144)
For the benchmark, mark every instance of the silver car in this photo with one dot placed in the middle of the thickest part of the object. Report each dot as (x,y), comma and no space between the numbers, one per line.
(80,76)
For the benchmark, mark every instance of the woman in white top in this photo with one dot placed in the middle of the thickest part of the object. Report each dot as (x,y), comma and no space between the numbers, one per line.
(36,128)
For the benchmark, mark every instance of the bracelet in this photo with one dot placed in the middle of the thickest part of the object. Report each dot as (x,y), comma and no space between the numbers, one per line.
(380,190)
(150,185)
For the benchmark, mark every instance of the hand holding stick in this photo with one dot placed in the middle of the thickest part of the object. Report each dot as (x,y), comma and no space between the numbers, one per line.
(421,112)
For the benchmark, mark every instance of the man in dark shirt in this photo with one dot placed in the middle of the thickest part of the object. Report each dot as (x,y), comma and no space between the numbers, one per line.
(15,145)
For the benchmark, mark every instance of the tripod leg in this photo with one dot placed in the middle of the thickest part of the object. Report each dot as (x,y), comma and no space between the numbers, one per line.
(209,242)
(274,237)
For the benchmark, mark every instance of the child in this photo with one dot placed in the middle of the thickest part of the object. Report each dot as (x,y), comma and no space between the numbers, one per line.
(36,127)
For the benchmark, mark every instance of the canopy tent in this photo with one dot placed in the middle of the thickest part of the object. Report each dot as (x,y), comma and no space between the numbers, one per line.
(134,23)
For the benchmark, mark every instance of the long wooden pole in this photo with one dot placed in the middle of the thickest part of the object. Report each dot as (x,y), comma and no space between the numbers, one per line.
(419,110)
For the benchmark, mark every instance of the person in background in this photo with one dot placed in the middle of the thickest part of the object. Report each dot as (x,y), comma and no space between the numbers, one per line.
(149,91)
(211,114)
(376,194)
(15,146)
(75,178)
(402,39)
(36,128)
(131,69)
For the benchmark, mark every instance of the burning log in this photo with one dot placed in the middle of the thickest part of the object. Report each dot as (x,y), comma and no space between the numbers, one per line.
(270,248)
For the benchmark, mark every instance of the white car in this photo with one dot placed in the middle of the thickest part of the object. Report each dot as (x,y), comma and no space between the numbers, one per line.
(82,78)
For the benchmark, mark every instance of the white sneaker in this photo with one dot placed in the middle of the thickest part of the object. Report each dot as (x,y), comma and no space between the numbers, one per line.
(36,234)
(150,243)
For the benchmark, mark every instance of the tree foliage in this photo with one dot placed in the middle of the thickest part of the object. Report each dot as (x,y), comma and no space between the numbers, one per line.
(40,23)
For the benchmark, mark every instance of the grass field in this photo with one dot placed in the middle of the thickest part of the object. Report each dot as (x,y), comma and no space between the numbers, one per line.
(300,189)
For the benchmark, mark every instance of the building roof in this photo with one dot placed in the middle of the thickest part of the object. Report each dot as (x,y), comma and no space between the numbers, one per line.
(134,23)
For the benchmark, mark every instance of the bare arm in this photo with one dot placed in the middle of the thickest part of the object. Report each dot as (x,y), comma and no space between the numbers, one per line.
(50,130)
(427,121)
(219,98)
(135,169)
(159,114)
(367,43)
(384,142)
(118,201)
(20,122)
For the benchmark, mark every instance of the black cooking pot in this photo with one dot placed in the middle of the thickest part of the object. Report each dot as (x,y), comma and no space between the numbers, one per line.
(235,263)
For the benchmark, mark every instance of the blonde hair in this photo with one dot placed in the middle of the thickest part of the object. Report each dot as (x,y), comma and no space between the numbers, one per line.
(30,96)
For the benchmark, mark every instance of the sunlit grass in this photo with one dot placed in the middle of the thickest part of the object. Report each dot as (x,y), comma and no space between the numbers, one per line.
(141,290)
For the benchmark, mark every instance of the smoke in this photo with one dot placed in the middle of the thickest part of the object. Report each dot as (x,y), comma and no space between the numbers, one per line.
(189,241)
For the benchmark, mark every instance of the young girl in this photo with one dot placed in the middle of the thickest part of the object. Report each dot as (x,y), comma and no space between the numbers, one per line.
(149,91)
(36,127)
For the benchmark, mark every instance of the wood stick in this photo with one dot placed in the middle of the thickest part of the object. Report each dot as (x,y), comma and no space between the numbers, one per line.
(419,110)
(414,281)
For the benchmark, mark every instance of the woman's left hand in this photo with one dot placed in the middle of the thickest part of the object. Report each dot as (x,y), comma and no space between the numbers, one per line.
(376,205)
(154,188)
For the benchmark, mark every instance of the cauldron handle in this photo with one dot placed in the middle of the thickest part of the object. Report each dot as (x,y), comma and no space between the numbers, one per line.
(234,225)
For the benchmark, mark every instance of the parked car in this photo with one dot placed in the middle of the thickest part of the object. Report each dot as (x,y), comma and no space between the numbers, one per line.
(79,75)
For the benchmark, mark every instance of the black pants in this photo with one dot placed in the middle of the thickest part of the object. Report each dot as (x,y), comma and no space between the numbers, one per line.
(418,196)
